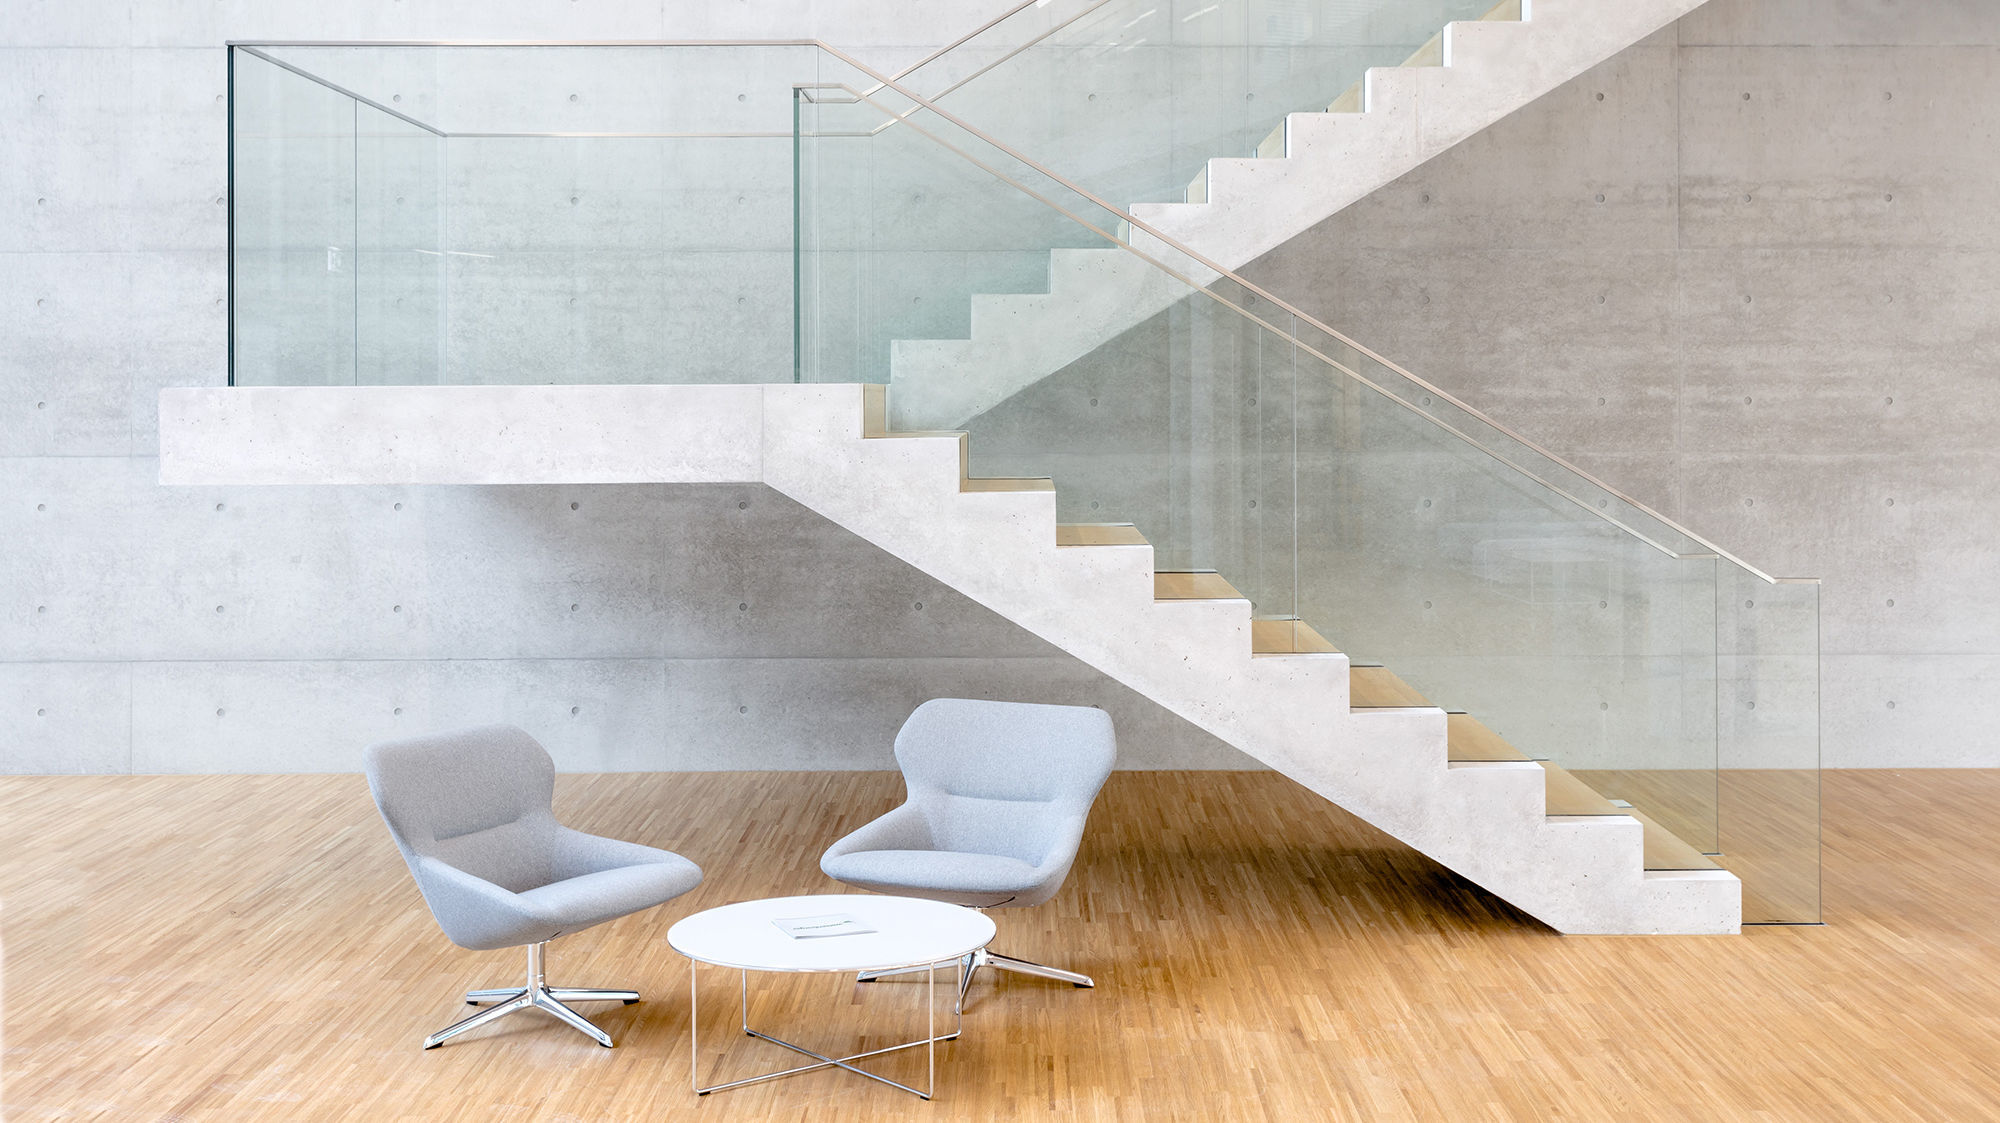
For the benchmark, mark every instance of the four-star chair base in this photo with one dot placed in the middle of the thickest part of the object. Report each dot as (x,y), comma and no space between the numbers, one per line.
(993,959)
(537,994)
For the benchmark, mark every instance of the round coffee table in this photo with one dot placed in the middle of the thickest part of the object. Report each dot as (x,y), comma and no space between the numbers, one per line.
(907,933)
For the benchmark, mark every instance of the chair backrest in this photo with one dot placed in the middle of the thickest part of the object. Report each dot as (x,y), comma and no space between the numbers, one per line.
(477,799)
(1002,777)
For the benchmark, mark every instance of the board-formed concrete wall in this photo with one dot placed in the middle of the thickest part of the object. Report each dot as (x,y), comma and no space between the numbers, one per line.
(154,629)
(1744,271)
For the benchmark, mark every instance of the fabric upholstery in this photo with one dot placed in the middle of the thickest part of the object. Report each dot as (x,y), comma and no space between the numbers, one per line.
(998,796)
(472,813)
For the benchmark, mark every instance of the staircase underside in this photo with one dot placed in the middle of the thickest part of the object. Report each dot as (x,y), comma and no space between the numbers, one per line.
(1276,689)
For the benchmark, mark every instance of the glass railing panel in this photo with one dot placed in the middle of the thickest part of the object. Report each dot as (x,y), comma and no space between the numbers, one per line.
(1488,593)
(1516,450)
(556,215)
(1127,100)
(1768,660)
(1236,447)
(1488,574)
(1227,61)
(895,233)
(914,129)
(618,259)
(398,263)
(293,264)
(1181,425)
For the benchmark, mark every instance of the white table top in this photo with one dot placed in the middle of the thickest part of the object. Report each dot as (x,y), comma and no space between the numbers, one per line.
(907,932)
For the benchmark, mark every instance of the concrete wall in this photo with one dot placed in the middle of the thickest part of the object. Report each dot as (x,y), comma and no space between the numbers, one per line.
(1745,272)
(154,629)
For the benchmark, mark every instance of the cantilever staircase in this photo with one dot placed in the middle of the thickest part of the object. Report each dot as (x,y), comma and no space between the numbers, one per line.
(1315,164)
(1275,689)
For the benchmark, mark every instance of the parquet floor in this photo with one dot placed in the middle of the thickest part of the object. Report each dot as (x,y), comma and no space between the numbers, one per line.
(250,947)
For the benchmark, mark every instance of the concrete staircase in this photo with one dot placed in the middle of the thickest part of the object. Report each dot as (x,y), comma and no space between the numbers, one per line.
(1470,75)
(1274,688)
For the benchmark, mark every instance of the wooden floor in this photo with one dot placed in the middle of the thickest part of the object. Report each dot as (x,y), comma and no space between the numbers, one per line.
(242,948)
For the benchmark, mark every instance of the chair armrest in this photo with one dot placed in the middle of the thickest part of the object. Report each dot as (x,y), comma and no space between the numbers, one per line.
(1068,839)
(474,912)
(904,828)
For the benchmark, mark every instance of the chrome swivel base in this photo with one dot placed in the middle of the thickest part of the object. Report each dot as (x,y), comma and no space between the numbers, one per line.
(993,959)
(537,994)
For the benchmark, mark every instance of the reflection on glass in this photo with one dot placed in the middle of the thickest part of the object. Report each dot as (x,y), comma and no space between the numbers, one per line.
(292,270)
(397,262)
(1768,646)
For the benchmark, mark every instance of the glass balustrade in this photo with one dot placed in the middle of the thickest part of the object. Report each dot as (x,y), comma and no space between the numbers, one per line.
(770,212)
(1357,507)
(435,214)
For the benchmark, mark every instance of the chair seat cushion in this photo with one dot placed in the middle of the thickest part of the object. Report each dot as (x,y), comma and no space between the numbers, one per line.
(593,898)
(946,875)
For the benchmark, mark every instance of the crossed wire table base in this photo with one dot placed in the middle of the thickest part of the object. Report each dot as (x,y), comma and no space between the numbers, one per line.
(821,1060)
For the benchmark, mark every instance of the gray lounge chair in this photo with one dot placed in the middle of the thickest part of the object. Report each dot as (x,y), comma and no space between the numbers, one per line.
(471,812)
(998,795)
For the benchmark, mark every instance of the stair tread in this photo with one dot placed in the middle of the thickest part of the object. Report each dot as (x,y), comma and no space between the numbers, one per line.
(1666,851)
(1567,795)
(1376,688)
(1471,740)
(1193,586)
(1288,637)
(1099,534)
(1430,54)
(1002,483)
(1349,100)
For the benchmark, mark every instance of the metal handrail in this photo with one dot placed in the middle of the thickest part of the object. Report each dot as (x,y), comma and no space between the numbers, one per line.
(337,88)
(1009,56)
(254,48)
